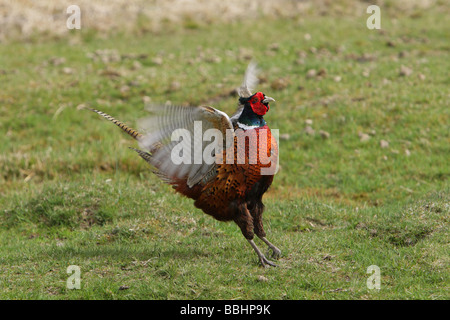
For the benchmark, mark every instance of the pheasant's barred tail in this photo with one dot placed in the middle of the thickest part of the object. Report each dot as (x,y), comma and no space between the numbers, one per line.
(136,135)
(145,155)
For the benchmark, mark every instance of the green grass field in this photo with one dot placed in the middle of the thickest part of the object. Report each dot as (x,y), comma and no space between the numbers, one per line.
(364,155)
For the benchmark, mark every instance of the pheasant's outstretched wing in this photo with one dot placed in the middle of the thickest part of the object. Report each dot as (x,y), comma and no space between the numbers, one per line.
(235,116)
(174,140)
(250,81)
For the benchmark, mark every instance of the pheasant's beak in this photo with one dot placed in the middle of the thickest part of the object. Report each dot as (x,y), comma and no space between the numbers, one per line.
(266,102)
(268,99)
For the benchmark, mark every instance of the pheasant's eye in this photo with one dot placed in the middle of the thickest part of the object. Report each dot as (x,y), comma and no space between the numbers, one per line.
(255,100)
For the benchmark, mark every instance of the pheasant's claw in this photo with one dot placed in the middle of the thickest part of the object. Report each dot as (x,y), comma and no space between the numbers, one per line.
(265,262)
(262,258)
(276,253)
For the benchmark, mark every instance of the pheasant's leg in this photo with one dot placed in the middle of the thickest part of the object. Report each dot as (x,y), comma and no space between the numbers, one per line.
(259,229)
(262,258)
(276,253)
(245,221)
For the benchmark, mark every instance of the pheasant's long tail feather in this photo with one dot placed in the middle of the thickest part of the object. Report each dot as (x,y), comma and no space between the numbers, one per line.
(148,157)
(144,155)
(136,135)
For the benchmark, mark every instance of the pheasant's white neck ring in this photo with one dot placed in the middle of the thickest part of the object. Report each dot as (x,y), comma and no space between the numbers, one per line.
(246,127)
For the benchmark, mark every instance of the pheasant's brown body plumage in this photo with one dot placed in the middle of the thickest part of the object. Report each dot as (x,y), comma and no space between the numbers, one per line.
(235,183)
(231,188)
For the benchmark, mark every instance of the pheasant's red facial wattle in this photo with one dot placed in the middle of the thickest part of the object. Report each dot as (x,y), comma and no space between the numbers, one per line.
(256,102)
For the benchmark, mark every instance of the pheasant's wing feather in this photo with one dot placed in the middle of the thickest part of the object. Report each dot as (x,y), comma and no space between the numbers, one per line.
(174,137)
(250,81)
(235,116)
(248,85)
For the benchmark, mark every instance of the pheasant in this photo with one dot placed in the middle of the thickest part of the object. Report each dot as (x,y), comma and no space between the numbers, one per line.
(226,178)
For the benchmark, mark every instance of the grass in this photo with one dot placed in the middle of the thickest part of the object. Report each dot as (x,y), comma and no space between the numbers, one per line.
(72,193)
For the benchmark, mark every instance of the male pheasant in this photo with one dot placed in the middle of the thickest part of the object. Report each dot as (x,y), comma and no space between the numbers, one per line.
(228,177)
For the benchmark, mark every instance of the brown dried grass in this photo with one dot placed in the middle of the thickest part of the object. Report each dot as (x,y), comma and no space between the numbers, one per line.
(23,18)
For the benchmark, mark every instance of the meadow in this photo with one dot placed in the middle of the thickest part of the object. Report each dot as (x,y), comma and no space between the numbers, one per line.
(364,147)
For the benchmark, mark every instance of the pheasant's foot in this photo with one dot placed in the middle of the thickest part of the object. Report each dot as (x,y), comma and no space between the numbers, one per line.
(262,258)
(276,253)
(265,262)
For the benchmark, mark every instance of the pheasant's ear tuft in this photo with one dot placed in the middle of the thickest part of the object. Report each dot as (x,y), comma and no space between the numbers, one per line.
(243,100)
